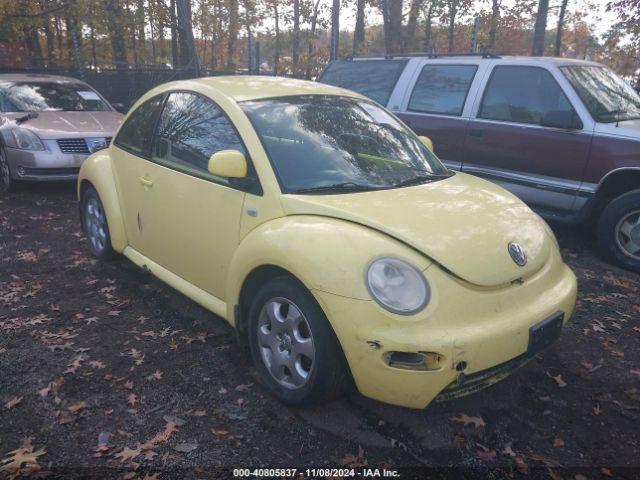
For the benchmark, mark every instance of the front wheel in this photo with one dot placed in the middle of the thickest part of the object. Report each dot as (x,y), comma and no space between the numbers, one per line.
(7,182)
(94,224)
(293,347)
(619,230)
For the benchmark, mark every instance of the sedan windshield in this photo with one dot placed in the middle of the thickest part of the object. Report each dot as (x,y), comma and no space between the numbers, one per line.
(43,96)
(608,97)
(331,144)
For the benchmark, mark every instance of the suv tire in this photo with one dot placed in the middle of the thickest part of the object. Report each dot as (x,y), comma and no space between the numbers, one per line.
(619,230)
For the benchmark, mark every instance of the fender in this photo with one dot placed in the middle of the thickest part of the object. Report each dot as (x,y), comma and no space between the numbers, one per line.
(327,254)
(97,170)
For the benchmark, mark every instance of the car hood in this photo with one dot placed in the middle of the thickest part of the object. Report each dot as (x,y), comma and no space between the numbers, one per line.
(51,125)
(464,223)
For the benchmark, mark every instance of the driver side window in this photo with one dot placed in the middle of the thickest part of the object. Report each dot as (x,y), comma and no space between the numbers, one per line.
(191,129)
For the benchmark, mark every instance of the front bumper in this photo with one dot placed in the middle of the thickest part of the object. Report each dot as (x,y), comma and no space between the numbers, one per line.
(477,329)
(44,165)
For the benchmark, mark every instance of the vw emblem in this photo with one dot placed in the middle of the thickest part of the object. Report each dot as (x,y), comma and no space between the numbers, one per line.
(517,254)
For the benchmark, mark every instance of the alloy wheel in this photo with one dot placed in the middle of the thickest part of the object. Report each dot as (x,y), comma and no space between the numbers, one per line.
(628,234)
(285,342)
(95,224)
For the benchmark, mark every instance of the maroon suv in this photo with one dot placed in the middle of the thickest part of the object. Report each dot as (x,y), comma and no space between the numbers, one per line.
(563,135)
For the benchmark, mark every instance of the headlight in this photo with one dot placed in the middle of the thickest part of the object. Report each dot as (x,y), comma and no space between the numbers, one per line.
(397,286)
(26,139)
(547,228)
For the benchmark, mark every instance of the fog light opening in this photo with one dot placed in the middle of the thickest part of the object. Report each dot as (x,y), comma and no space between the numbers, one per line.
(414,360)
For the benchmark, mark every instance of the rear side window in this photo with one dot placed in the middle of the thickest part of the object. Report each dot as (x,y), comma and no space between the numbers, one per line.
(137,132)
(442,89)
(191,129)
(523,95)
(372,78)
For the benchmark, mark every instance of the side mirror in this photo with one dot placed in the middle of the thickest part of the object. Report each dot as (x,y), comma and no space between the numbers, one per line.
(228,164)
(119,107)
(563,119)
(426,141)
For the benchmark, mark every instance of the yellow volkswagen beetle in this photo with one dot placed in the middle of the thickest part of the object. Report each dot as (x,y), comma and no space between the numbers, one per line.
(330,236)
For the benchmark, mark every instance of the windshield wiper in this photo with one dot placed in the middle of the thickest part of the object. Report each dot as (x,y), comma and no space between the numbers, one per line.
(24,118)
(421,179)
(342,186)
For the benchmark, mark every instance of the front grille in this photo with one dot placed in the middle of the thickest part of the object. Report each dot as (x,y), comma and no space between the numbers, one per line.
(73,145)
(51,171)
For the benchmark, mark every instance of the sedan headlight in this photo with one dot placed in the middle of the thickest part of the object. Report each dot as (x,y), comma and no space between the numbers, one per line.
(26,139)
(397,286)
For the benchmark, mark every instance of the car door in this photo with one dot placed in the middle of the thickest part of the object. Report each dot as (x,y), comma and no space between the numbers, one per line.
(190,219)
(130,153)
(435,107)
(517,139)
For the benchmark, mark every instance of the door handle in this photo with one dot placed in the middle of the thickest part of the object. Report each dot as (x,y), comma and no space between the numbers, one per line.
(476,133)
(146,181)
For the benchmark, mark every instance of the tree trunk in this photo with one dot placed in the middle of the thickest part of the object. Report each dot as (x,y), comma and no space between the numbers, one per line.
(412,23)
(152,36)
(427,27)
(48,33)
(175,60)
(561,15)
(248,21)
(312,37)
(453,11)
(392,19)
(493,29)
(335,30)
(540,29)
(140,24)
(32,44)
(358,33)
(115,22)
(233,35)
(276,54)
(92,33)
(295,39)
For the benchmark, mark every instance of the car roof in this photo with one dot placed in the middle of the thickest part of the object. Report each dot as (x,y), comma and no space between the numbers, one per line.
(526,60)
(36,77)
(255,87)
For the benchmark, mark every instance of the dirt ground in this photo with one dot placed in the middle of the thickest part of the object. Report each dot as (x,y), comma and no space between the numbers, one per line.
(105,371)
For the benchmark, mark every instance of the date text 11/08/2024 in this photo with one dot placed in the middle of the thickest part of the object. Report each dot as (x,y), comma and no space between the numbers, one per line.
(363,472)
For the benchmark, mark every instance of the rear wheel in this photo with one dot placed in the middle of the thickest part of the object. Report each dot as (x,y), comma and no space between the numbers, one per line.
(94,223)
(294,349)
(619,230)
(7,182)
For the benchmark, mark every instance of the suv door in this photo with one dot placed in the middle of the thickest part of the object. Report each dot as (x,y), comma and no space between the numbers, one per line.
(527,137)
(435,107)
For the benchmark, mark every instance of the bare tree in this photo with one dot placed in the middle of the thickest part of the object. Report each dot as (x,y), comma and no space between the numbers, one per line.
(540,28)
(233,34)
(295,35)
(312,36)
(113,9)
(412,23)
(561,15)
(493,28)
(392,19)
(335,29)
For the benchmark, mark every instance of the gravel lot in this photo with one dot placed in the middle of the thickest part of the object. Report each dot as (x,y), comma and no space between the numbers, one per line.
(105,371)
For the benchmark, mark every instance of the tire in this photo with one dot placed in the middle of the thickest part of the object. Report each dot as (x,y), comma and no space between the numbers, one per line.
(619,230)
(94,225)
(308,373)
(7,182)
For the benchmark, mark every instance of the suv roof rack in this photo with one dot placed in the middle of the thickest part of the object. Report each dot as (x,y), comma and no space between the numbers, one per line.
(425,54)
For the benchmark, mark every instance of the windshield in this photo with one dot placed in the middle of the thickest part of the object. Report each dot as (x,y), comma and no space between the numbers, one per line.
(43,96)
(607,97)
(331,143)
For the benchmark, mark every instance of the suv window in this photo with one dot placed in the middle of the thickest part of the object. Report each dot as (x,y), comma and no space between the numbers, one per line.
(191,129)
(523,95)
(442,89)
(372,78)
(136,133)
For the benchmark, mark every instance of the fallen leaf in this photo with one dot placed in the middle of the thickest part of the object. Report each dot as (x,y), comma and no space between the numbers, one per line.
(606,472)
(175,420)
(128,454)
(13,402)
(132,399)
(486,454)
(77,406)
(521,465)
(508,450)
(243,387)
(186,447)
(354,461)
(558,442)
(466,420)
(21,462)
(558,378)
(128,385)
(222,391)
(596,409)
(219,433)
(200,413)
